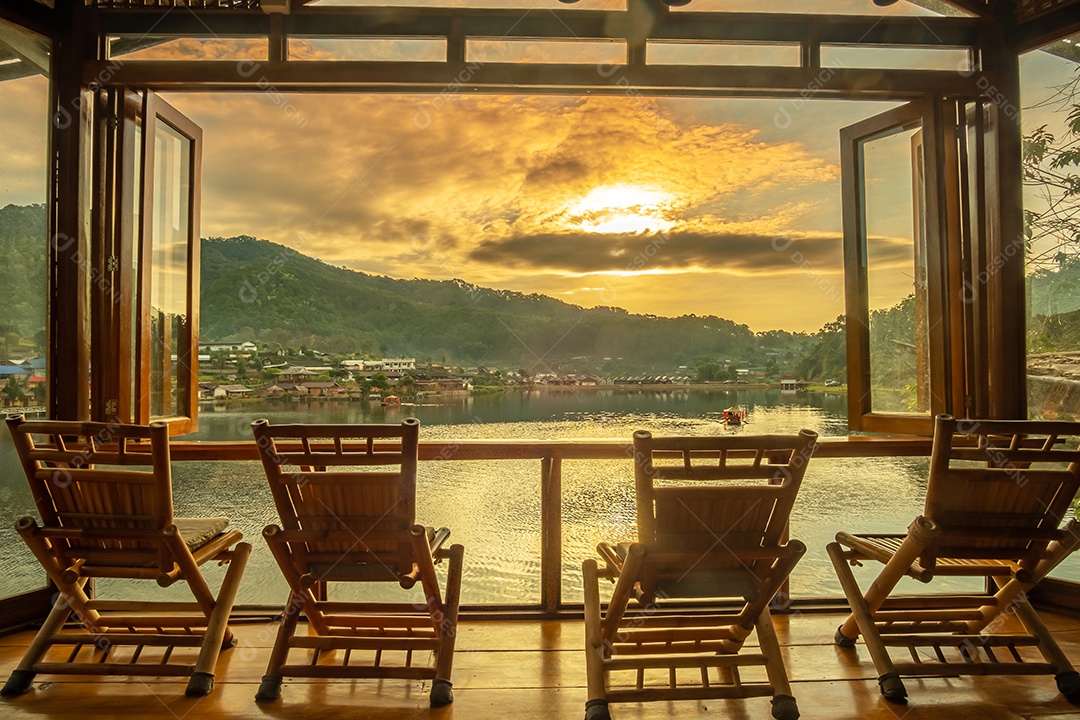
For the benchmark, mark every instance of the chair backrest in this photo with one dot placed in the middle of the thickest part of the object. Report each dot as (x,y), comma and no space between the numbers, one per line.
(715,500)
(351,488)
(1000,489)
(111,480)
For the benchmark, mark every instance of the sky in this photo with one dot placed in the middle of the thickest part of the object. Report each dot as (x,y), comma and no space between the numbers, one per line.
(727,207)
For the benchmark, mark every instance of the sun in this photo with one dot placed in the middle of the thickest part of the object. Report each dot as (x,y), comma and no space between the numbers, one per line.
(622,209)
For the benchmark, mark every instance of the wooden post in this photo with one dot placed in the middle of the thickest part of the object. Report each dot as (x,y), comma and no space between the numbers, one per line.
(551,533)
(69,229)
(1006,321)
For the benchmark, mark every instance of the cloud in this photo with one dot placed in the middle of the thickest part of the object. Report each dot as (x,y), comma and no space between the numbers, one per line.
(361,173)
(728,253)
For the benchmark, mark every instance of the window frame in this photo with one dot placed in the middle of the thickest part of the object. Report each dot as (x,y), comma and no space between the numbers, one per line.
(154,109)
(940,184)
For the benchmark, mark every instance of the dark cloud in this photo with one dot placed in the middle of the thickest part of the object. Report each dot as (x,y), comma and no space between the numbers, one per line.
(556,171)
(738,253)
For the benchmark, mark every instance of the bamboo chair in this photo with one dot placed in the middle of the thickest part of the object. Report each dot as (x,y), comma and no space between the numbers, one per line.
(704,531)
(995,500)
(346,496)
(103,516)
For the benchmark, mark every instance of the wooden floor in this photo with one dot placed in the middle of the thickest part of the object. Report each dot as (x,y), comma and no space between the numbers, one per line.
(535,671)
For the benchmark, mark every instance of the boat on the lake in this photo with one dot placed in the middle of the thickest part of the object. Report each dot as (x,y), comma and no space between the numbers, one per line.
(734,416)
(391,401)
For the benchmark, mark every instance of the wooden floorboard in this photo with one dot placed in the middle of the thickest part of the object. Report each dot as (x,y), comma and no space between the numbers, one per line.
(536,671)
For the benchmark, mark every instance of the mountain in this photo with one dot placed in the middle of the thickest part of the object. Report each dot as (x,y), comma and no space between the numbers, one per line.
(23,287)
(260,289)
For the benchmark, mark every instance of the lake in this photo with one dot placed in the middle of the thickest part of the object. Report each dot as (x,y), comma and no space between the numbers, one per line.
(493,507)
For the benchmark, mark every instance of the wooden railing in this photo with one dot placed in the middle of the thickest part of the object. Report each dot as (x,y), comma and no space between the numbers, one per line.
(551,454)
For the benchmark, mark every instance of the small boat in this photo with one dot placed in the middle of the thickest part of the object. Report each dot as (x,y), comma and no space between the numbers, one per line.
(391,401)
(734,416)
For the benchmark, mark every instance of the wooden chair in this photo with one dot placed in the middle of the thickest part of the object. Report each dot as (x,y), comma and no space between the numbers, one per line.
(346,496)
(104,516)
(703,532)
(996,497)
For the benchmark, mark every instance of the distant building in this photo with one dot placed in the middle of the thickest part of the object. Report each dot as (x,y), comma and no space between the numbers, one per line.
(18,372)
(442,386)
(212,347)
(295,374)
(399,364)
(318,389)
(35,365)
(791,384)
(231,392)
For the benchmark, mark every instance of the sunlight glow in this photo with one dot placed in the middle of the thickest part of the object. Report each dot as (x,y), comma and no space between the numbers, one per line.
(623,209)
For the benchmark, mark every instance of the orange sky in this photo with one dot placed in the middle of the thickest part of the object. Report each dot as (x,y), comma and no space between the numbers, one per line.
(708,206)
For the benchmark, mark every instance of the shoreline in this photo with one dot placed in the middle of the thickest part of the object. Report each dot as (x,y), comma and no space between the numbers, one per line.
(544,389)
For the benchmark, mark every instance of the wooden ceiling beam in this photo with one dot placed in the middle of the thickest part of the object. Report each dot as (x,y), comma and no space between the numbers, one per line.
(31,15)
(986,10)
(555,24)
(422,77)
(25,45)
(1045,29)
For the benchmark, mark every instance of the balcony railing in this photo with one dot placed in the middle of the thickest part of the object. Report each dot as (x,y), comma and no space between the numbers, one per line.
(551,454)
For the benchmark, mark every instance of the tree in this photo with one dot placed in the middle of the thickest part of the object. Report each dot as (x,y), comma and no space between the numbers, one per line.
(1051,161)
(708,370)
(13,391)
(379,381)
(40,393)
(827,357)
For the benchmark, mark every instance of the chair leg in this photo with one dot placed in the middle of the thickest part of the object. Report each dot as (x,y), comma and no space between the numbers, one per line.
(441,692)
(784,706)
(202,678)
(1068,680)
(270,687)
(22,677)
(892,687)
(596,706)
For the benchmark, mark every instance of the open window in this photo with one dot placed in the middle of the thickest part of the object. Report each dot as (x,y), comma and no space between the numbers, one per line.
(146,247)
(900,261)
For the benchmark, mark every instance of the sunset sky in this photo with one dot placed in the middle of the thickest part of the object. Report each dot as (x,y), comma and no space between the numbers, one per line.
(728,207)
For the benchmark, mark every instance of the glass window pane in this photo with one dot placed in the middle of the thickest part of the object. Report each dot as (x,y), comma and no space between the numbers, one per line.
(24,242)
(896,273)
(169,283)
(1050,92)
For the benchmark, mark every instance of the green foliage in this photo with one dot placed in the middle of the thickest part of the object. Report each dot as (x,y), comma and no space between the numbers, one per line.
(13,391)
(709,370)
(24,244)
(827,356)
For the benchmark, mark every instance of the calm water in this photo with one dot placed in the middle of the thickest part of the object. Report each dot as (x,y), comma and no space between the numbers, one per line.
(493,507)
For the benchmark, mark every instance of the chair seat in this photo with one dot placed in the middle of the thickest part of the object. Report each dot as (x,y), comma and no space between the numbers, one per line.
(199,531)
(882,547)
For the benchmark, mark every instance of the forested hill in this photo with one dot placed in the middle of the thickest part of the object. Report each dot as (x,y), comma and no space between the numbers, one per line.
(255,288)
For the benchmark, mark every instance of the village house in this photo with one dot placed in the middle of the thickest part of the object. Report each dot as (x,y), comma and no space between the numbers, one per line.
(231,392)
(322,389)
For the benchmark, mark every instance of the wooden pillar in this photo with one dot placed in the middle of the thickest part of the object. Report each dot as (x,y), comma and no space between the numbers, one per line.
(1006,350)
(551,533)
(69,224)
